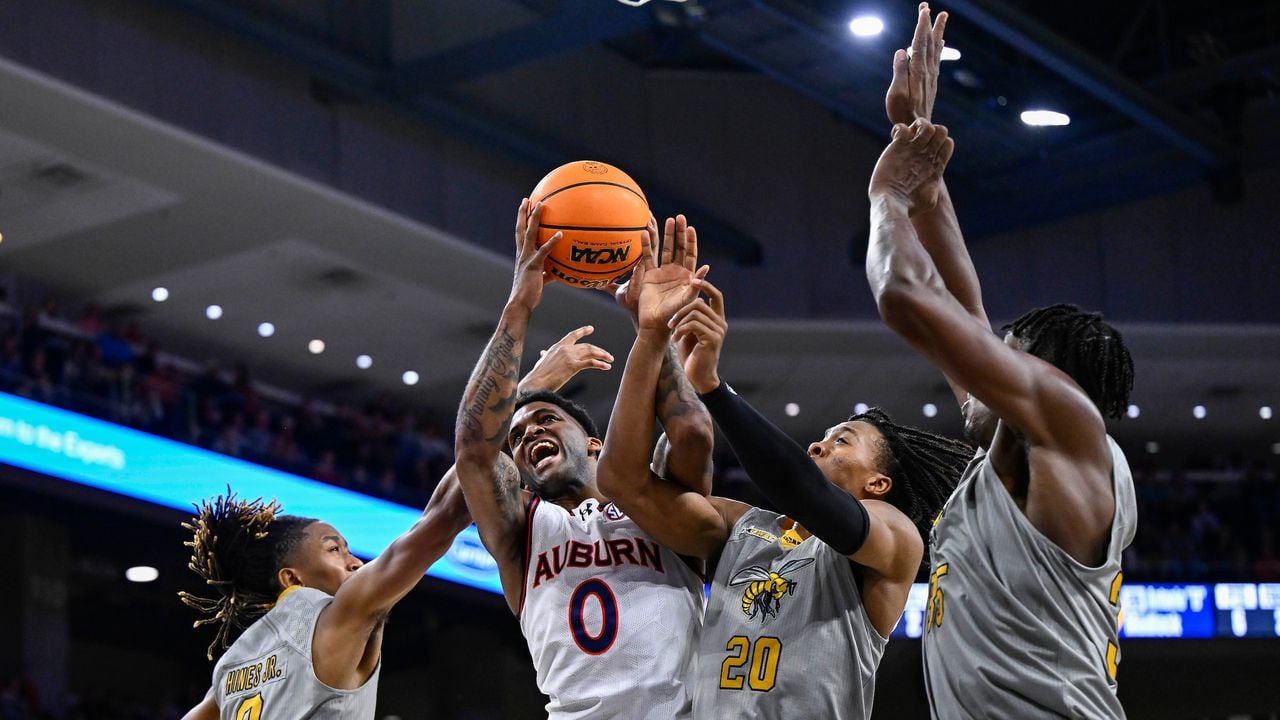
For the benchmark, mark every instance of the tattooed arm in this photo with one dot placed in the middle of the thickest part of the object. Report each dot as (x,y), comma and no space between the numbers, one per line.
(488,477)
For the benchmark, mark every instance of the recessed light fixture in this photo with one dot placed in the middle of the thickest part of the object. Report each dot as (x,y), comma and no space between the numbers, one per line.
(213,312)
(929,410)
(866,26)
(266,329)
(792,409)
(1153,447)
(364,362)
(1264,412)
(160,294)
(859,408)
(141,574)
(410,377)
(1133,411)
(1045,118)
(316,346)
(1199,412)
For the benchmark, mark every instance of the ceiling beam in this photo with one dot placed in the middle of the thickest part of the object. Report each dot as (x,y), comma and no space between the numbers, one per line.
(577,23)
(1082,70)
(486,130)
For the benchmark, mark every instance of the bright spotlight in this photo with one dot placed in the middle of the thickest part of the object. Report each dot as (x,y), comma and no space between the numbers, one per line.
(1045,118)
(1264,412)
(792,409)
(1199,412)
(316,346)
(859,408)
(364,362)
(929,410)
(141,574)
(866,26)
(266,329)
(213,312)
(410,377)
(1133,411)
(160,294)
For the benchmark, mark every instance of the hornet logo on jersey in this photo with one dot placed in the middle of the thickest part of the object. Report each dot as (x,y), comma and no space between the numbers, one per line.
(764,591)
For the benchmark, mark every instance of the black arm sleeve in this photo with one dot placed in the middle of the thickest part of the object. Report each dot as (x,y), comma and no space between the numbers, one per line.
(783,470)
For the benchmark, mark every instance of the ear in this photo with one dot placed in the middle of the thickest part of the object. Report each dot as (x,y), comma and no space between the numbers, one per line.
(594,446)
(288,577)
(877,486)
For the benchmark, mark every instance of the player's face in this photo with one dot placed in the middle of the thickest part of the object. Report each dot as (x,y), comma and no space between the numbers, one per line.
(848,454)
(550,449)
(323,560)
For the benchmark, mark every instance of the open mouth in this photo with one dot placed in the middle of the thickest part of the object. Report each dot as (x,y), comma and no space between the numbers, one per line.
(542,453)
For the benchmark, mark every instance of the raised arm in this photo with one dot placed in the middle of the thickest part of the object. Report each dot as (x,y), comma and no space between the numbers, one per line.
(685,521)
(683,451)
(1070,496)
(910,97)
(488,477)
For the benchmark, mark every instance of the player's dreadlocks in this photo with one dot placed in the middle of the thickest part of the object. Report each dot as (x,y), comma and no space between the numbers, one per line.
(1083,346)
(925,468)
(237,547)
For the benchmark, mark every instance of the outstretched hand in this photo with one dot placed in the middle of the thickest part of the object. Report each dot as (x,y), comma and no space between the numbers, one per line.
(559,363)
(699,331)
(910,169)
(530,274)
(668,277)
(915,74)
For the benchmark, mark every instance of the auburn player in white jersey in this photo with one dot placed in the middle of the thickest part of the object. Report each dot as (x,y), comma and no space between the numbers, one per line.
(590,588)
(313,640)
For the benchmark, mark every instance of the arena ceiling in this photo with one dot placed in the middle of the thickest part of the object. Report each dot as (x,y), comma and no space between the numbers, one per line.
(105,204)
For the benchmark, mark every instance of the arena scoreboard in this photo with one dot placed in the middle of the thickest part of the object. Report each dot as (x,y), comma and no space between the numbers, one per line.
(62,444)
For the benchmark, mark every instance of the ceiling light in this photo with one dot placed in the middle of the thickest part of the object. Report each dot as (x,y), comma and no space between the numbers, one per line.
(316,346)
(266,329)
(950,53)
(1153,447)
(1133,411)
(1199,411)
(792,409)
(1264,412)
(1045,118)
(410,377)
(213,312)
(1,237)
(929,410)
(859,408)
(866,26)
(141,574)
(364,362)
(160,294)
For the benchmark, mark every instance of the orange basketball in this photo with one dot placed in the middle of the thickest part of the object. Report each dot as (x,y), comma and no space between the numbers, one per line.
(602,213)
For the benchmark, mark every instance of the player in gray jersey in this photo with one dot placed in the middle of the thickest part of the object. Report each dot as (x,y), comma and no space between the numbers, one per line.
(801,604)
(1025,569)
(312,624)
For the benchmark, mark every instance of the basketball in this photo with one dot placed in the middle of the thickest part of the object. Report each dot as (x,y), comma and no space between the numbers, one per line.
(602,213)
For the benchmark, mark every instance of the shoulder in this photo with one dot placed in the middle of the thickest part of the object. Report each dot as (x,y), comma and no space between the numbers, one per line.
(733,511)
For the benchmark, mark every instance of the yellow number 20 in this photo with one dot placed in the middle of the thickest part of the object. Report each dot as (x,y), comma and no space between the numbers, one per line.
(249,708)
(764,657)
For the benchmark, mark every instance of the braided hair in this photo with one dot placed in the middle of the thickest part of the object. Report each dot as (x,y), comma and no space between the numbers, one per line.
(238,547)
(925,468)
(1083,346)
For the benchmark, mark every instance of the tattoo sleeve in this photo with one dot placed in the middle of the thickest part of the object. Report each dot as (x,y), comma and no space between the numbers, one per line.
(674,397)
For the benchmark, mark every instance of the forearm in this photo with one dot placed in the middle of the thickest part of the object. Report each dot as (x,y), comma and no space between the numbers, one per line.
(783,471)
(687,424)
(940,236)
(625,457)
(489,399)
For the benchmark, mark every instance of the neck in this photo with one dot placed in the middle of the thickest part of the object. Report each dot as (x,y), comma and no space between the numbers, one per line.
(574,497)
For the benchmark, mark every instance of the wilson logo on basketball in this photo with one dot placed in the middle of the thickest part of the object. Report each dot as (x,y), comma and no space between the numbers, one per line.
(602,256)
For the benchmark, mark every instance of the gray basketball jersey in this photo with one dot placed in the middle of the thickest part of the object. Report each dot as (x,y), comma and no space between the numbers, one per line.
(611,617)
(785,634)
(267,674)
(1014,627)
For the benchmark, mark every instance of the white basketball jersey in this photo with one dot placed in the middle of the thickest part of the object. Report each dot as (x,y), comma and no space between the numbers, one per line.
(611,617)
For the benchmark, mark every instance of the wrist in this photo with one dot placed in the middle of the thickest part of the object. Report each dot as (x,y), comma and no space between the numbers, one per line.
(709,386)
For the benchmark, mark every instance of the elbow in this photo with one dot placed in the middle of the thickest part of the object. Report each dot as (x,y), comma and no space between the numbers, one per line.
(695,434)
(900,302)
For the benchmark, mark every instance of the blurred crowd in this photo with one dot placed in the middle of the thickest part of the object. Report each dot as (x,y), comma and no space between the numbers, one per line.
(1202,522)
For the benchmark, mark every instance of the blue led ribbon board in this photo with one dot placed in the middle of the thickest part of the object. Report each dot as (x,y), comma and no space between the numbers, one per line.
(121,460)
